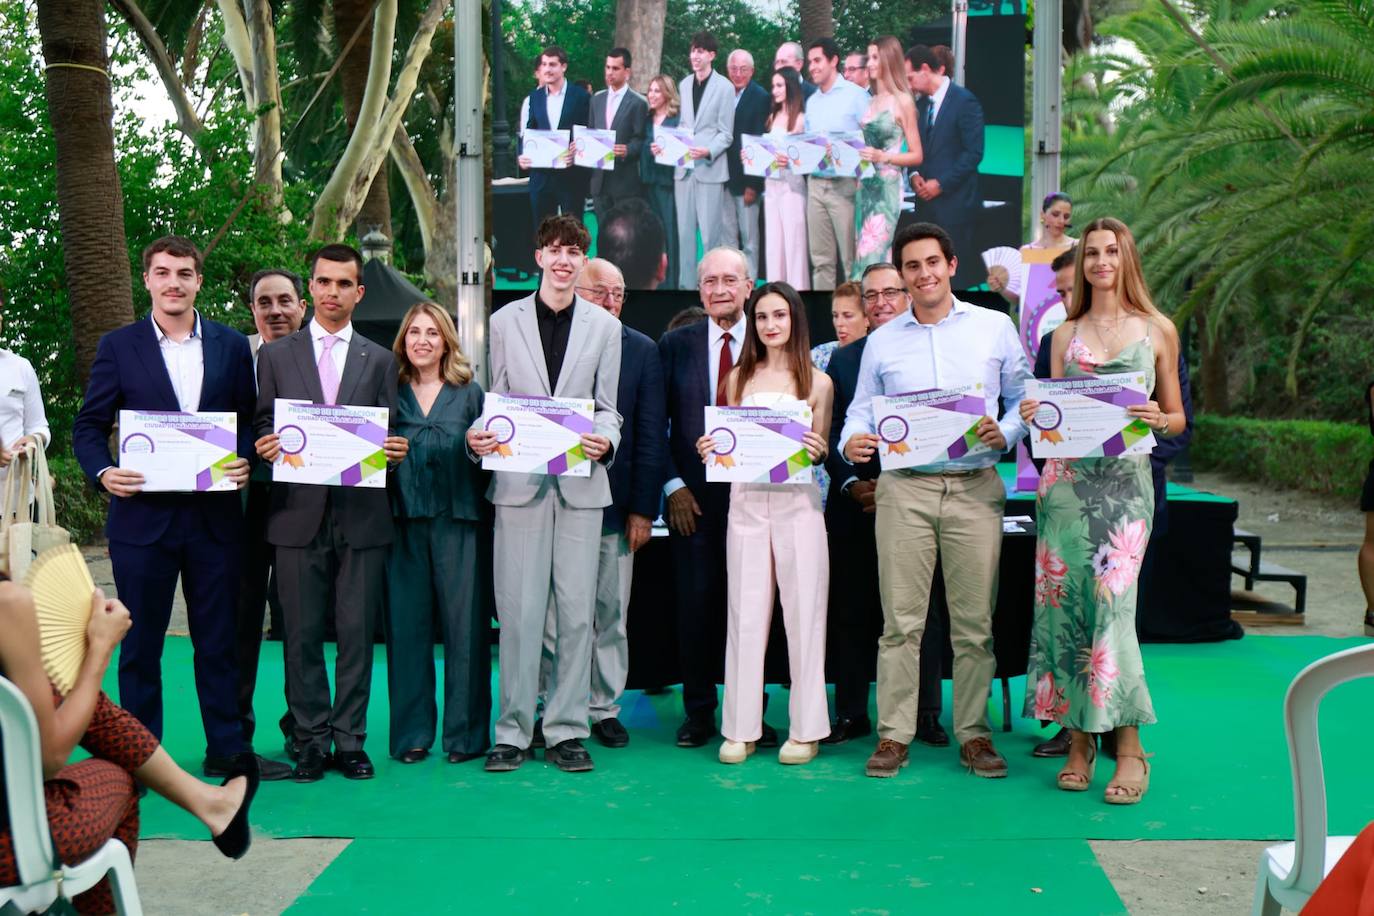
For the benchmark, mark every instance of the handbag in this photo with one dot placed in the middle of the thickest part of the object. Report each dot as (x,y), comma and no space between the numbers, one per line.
(28,519)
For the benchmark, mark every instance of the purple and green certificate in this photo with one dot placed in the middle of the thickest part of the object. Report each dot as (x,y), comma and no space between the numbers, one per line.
(759,444)
(178,451)
(537,434)
(330,445)
(1085,416)
(929,427)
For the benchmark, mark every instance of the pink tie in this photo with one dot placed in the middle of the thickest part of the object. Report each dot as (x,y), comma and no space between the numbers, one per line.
(329,373)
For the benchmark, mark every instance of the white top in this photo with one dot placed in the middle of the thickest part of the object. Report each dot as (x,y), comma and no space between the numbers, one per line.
(554,103)
(21,403)
(185,361)
(524,116)
(970,344)
(340,352)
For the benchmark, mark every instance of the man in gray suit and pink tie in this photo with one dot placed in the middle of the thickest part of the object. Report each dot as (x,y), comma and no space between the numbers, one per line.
(548,528)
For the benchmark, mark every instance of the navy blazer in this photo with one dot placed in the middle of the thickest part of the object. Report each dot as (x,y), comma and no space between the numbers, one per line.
(687,382)
(842,512)
(129,374)
(577,109)
(952,151)
(637,474)
(751,117)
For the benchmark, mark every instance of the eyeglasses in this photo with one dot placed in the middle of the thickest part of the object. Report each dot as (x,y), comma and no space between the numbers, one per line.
(601,294)
(739,69)
(890,294)
(728,281)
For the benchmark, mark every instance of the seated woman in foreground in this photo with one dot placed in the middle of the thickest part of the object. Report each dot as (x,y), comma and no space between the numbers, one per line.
(93,800)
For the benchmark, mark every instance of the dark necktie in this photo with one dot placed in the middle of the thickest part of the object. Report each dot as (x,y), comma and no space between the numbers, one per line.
(727,362)
(930,116)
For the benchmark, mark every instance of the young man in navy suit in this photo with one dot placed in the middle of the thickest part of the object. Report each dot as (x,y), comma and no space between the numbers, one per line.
(174,360)
(557,105)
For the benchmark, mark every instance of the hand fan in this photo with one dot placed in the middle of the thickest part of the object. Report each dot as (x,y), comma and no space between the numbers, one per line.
(61,586)
(1009,259)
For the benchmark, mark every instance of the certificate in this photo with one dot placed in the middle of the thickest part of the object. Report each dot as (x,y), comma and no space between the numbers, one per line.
(843,156)
(759,444)
(592,149)
(675,143)
(926,427)
(332,445)
(805,153)
(545,148)
(759,156)
(537,434)
(178,452)
(1085,416)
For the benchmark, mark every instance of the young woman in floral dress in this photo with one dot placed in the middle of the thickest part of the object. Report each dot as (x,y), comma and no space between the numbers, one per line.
(1094,517)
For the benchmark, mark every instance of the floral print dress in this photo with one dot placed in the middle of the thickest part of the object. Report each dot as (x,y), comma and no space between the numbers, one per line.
(878,201)
(1093,517)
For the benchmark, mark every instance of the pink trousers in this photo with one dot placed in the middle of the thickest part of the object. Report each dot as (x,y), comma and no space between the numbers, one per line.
(776,540)
(784,219)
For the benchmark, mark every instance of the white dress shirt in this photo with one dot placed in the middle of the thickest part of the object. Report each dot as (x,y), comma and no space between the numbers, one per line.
(971,344)
(185,361)
(340,352)
(21,404)
(613,99)
(524,116)
(553,104)
(715,340)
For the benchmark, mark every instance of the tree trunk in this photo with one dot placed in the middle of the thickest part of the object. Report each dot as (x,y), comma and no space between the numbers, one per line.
(267,154)
(90,205)
(639,27)
(1216,394)
(353,75)
(817,20)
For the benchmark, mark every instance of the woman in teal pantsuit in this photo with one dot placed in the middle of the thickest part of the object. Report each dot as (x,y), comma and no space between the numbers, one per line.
(433,563)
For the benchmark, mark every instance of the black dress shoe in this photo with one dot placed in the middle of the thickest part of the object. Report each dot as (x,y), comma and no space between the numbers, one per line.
(292,747)
(270,770)
(768,738)
(288,732)
(1058,746)
(930,731)
(570,756)
(235,839)
(355,764)
(695,731)
(610,733)
(310,765)
(505,757)
(414,755)
(847,729)
(537,736)
(464,756)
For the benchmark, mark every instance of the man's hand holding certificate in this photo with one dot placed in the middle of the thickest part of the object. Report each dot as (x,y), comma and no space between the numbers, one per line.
(181,452)
(806,154)
(534,434)
(757,444)
(927,427)
(593,149)
(331,445)
(546,149)
(1086,416)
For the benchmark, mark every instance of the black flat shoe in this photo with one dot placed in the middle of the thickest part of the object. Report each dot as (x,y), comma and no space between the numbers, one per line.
(930,731)
(768,737)
(235,839)
(1058,746)
(462,757)
(846,729)
(570,756)
(355,764)
(311,765)
(504,758)
(217,766)
(414,755)
(610,733)
(695,731)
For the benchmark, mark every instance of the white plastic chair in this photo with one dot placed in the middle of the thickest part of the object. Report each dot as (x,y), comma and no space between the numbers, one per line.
(41,878)
(1290,872)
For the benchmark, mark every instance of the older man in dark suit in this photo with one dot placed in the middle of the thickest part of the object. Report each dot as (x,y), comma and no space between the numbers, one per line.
(741,214)
(329,540)
(619,108)
(556,105)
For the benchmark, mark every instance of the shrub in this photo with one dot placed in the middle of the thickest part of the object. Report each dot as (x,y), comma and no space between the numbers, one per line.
(1312,455)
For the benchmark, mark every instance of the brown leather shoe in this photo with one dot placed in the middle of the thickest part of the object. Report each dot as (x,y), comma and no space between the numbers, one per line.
(982,759)
(890,757)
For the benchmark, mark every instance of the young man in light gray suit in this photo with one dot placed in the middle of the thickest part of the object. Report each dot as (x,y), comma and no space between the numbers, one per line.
(619,108)
(708,110)
(548,528)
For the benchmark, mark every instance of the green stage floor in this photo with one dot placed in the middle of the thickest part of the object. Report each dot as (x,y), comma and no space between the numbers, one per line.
(657,828)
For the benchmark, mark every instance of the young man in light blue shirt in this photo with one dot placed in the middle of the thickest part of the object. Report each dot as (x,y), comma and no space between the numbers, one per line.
(836,105)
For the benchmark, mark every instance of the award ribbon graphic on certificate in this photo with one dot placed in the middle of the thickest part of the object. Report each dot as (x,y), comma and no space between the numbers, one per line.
(930,426)
(331,445)
(675,143)
(593,149)
(537,434)
(758,444)
(178,451)
(1085,416)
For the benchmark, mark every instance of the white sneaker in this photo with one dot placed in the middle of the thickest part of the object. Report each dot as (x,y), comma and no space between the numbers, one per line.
(795,752)
(735,751)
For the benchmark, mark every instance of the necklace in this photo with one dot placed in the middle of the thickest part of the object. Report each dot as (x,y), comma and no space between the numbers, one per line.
(1113,326)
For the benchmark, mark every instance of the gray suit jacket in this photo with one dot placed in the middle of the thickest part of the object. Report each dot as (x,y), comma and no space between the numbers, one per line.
(629,126)
(591,369)
(713,126)
(286,369)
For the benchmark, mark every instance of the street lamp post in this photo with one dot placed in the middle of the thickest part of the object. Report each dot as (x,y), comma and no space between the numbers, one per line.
(503,156)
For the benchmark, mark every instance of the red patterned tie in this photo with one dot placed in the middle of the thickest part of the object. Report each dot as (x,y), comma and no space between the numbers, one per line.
(727,362)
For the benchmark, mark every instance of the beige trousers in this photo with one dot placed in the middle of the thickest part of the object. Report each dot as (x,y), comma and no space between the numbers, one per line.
(830,229)
(959,520)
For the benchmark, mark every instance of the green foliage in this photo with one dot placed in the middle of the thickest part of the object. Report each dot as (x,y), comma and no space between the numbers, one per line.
(80,507)
(1311,455)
